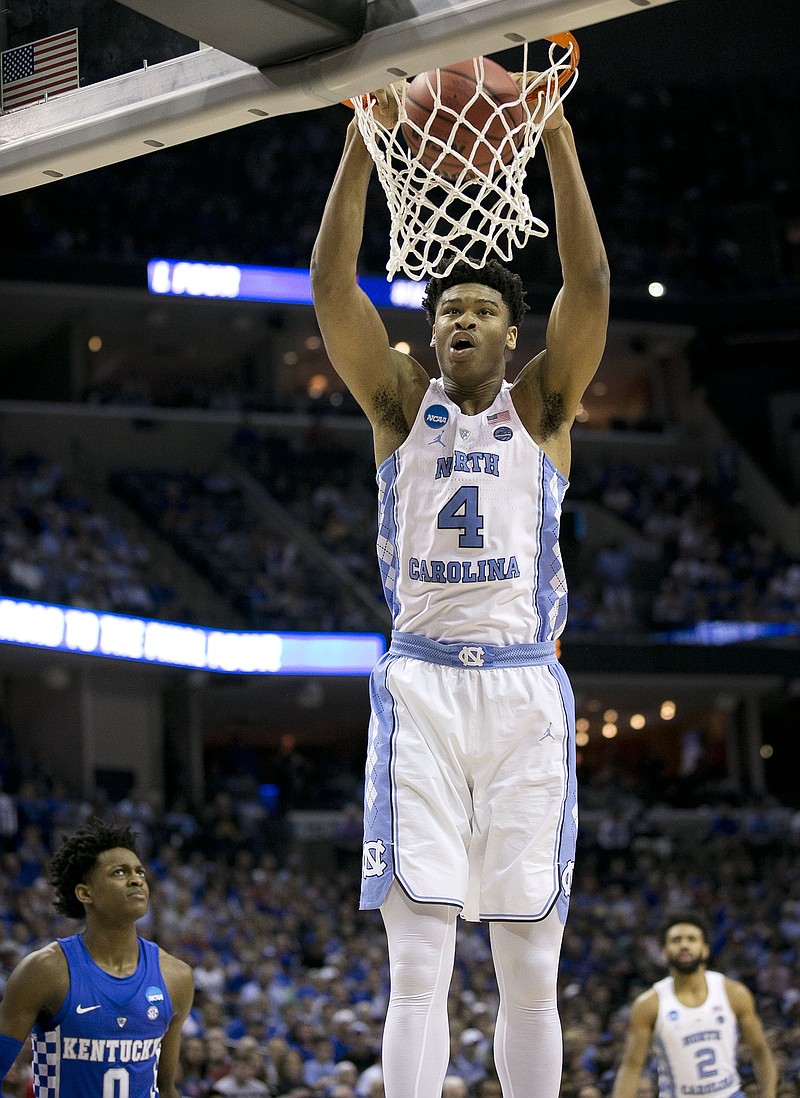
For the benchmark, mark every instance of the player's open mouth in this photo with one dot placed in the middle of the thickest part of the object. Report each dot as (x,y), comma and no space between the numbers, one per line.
(461,344)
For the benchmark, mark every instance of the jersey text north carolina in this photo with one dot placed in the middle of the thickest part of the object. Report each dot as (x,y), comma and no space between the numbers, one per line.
(473,501)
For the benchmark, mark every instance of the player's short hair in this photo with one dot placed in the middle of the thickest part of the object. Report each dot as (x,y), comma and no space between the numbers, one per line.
(77,857)
(693,918)
(492,274)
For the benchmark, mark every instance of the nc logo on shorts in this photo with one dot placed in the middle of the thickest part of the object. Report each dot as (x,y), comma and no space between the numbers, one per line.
(373,864)
(566,878)
(471,655)
(436,416)
(154,995)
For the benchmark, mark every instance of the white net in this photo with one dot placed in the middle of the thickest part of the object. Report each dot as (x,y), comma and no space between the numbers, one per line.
(451,199)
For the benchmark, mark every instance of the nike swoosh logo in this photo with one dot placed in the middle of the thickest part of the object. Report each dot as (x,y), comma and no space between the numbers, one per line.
(85,1010)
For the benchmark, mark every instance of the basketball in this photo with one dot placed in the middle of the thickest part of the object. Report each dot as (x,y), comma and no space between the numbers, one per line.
(474,123)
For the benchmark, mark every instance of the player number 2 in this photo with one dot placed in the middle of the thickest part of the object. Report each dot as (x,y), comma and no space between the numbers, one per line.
(706,1060)
(461,513)
(116,1083)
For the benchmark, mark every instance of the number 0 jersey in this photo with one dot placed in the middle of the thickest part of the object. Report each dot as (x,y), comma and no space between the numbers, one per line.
(105,1039)
(696,1046)
(469,509)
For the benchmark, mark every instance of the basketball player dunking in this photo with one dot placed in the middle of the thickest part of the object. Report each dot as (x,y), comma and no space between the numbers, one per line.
(105,1007)
(470,799)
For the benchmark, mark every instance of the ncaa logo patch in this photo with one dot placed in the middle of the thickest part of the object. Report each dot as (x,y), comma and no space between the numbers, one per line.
(154,994)
(503,434)
(436,416)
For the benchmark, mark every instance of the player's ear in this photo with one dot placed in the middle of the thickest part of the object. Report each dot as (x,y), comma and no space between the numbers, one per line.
(83,893)
(433,336)
(511,337)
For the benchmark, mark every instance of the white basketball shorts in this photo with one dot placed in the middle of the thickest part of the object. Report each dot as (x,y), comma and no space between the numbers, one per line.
(470,793)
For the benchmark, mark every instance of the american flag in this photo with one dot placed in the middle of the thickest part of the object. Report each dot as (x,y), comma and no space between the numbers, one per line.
(46,67)
(499,417)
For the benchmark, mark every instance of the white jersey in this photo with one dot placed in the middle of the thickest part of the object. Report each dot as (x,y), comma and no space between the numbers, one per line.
(696,1046)
(469,513)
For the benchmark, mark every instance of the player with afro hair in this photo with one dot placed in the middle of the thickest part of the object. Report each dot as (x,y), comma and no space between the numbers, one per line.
(77,857)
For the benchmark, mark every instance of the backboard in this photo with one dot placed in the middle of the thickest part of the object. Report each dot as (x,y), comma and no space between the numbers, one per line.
(264,59)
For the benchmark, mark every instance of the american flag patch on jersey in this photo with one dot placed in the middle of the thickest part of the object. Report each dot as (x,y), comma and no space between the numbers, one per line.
(499,417)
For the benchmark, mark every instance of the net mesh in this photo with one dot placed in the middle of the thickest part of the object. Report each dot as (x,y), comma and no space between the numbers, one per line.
(479,207)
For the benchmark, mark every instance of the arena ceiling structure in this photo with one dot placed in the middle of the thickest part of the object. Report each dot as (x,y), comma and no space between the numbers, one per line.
(262,59)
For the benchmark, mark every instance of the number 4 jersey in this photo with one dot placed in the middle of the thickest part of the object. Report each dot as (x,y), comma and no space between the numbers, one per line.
(696,1046)
(105,1039)
(469,512)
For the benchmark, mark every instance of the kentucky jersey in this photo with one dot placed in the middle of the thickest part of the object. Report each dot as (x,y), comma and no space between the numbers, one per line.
(105,1039)
(696,1046)
(468,519)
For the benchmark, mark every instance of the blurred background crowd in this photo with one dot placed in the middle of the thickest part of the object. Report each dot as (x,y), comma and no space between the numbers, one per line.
(292,980)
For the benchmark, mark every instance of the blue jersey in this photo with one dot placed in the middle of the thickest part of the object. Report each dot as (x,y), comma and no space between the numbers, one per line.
(104,1040)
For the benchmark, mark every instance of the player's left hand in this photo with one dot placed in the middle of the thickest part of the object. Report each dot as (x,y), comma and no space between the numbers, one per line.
(386,103)
(528,80)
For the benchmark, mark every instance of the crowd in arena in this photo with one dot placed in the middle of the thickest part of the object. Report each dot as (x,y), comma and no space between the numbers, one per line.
(694,553)
(257,566)
(292,980)
(690,552)
(57,545)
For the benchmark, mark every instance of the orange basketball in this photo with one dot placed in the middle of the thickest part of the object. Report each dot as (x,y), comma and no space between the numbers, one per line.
(474,125)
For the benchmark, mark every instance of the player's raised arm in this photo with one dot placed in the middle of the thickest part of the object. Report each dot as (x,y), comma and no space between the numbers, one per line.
(354,334)
(576,331)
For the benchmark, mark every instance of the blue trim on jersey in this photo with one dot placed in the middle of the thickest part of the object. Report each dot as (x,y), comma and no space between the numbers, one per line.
(666,1080)
(541,630)
(388,560)
(549,563)
(470,654)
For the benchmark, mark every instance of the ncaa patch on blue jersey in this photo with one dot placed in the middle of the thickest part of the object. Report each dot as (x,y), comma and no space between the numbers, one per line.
(154,995)
(436,416)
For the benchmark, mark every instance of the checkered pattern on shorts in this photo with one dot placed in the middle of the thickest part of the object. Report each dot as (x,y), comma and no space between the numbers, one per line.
(46,1063)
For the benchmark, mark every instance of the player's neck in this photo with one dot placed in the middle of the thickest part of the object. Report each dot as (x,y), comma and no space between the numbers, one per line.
(114,949)
(473,399)
(691,985)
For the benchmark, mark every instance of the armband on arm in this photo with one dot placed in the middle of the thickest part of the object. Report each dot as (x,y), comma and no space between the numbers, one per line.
(10,1049)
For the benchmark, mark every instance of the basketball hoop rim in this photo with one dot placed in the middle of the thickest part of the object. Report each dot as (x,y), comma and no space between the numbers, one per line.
(568,41)
(565,39)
